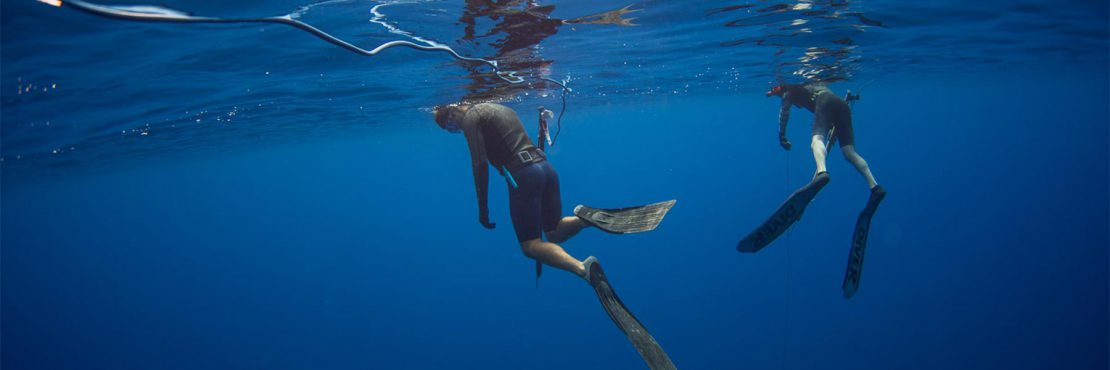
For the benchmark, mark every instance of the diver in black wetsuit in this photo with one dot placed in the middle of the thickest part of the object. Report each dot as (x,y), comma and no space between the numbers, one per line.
(495,135)
(832,119)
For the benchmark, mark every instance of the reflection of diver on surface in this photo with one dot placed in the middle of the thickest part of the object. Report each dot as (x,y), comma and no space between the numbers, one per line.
(519,28)
(522,28)
(519,31)
(832,119)
(496,137)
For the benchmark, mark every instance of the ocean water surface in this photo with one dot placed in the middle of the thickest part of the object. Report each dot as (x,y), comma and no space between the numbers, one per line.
(249,196)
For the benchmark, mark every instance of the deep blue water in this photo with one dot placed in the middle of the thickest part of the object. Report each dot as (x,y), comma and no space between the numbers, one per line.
(181,196)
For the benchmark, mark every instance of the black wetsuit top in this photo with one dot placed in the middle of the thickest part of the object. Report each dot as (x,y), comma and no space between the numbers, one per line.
(495,135)
(801,96)
(829,111)
(502,132)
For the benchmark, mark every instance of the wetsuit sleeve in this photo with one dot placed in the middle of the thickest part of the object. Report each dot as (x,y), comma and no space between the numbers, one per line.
(784,115)
(478,164)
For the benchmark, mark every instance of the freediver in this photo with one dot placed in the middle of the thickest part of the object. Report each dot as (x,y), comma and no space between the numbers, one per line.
(495,135)
(832,119)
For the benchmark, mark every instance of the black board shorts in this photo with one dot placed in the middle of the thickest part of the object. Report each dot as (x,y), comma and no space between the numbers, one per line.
(535,205)
(832,111)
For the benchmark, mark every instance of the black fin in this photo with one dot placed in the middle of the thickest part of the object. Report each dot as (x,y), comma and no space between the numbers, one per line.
(789,212)
(645,344)
(854,272)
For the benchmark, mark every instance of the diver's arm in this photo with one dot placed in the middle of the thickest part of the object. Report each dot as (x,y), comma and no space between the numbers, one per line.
(478,165)
(784,117)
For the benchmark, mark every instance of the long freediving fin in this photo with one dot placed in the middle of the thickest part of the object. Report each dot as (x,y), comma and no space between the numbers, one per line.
(854,271)
(625,220)
(789,212)
(645,344)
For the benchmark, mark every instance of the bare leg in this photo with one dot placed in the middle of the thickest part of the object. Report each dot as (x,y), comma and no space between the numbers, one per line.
(553,255)
(861,165)
(568,227)
(819,153)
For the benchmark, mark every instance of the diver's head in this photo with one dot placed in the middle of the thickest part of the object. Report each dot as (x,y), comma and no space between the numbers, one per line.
(448,117)
(776,91)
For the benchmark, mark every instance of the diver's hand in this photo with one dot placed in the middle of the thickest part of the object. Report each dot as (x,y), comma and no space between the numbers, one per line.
(785,143)
(483,218)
